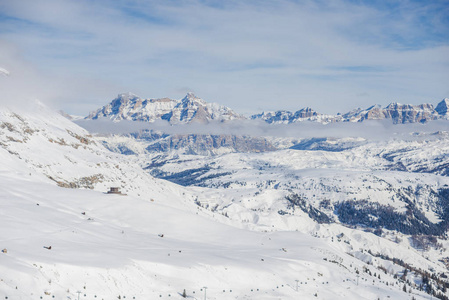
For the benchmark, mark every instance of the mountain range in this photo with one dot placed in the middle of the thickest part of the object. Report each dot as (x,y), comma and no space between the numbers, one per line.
(190,109)
(335,218)
(231,132)
(128,106)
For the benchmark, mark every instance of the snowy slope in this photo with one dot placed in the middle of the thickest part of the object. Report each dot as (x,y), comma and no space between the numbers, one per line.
(389,173)
(67,155)
(115,249)
(316,176)
(361,187)
(157,241)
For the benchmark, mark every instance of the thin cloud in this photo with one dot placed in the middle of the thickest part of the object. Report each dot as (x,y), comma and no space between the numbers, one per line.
(243,54)
(370,130)
(23,82)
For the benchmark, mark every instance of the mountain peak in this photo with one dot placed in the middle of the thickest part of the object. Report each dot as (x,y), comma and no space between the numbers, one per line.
(394,105)
(191,98)
(128,106)
(443,107)
(190,95)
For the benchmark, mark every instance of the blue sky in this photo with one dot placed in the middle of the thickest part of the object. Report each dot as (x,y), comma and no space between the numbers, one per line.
(252,56)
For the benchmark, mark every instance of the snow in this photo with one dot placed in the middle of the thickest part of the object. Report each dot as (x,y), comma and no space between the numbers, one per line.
(157,241)
(128,106)
(118,251)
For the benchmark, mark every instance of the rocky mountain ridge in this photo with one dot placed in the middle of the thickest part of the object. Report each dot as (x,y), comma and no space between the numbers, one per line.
(128,106)
(194,110)
(190,109)
(398,113)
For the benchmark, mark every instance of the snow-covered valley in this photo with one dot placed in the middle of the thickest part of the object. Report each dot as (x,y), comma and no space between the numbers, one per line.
(244,225)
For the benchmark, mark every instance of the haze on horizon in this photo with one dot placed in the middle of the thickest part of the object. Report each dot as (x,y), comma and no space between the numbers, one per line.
(251,56)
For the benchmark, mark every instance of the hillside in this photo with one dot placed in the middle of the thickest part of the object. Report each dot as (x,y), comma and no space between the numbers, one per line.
(163,238)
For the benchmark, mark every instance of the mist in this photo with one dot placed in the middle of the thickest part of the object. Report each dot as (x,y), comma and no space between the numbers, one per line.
(20,82)
(370,130)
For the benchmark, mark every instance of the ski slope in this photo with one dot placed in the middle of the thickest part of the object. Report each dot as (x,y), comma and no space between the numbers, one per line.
(157,242)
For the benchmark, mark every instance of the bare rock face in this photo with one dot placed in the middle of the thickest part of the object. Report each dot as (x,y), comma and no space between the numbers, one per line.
(398,113)
(189,109)
(287,117)
(406,113)
(374,113)
(131,107)
(208,144)
(305,113)
(443,108)
(278,117)
(192,109)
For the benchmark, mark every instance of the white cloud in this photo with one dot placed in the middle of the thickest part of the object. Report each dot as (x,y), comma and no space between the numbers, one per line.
(370,130)
(246,55)
(23,82)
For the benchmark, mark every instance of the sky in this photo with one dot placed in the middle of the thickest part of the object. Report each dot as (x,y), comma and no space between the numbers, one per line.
(251,56)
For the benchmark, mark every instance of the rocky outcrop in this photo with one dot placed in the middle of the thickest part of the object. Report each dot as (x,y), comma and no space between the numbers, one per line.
(305,113)
(131,107)
(192,109)
(398,113)
(187,110)
(287,117)
(279,117)
(375,112)
(406,113)
(210,144)
(443,108)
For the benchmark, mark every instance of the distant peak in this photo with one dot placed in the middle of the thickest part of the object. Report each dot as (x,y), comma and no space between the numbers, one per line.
(190,97)
(375,106)
(443,107)
(394,104)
